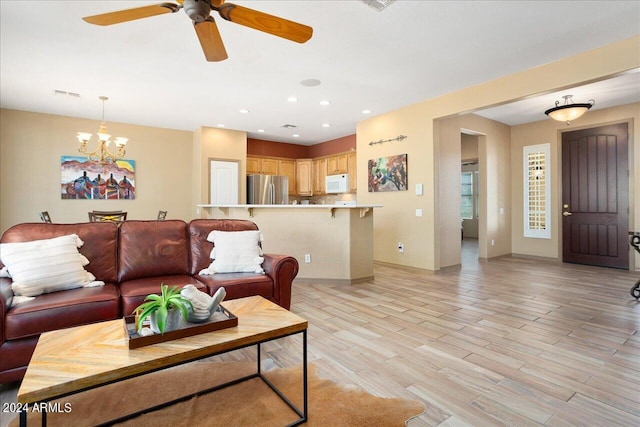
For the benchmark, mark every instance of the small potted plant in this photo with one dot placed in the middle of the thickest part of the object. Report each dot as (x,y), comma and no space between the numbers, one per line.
(161,309)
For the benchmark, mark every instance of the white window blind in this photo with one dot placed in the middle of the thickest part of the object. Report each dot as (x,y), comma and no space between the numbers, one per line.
(466,203)
(537,191)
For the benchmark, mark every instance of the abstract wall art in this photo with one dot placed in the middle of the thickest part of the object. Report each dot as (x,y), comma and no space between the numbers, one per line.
(82,178)
(388,173)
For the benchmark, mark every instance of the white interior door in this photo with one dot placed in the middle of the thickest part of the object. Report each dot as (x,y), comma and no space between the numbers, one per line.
(223,185)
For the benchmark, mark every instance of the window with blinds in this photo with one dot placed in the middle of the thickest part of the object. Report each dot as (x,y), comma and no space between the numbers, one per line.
(466,202)
(537,194)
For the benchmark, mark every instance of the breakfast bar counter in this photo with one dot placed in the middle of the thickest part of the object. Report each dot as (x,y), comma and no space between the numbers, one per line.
(332,243)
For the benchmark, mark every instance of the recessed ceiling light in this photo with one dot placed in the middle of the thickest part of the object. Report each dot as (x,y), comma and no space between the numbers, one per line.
(220,125)
(326,125)
(310,82)
(292,99)
(261,130)
(324,102)
(295,135)
(244,111)
(366,111)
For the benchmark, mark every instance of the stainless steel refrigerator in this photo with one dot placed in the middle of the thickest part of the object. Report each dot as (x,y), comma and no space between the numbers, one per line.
(267,190)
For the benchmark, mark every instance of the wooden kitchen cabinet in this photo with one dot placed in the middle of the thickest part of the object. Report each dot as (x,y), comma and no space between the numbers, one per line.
(262,165)
(288,168)
(253,165)
(269,166)
(337,164)
(319,174)
(304,176)
(353,172)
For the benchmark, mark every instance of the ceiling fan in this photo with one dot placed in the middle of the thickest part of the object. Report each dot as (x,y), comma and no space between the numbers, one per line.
(206,28)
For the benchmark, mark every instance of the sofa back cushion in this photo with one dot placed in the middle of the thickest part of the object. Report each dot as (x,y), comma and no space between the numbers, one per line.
(199,229)
(152,248)
(100,240)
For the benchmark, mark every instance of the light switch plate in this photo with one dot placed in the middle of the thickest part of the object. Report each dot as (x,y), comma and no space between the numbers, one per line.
(418,189)
(418,212)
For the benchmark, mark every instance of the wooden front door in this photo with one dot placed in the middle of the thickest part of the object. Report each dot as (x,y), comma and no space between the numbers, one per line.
(595,196)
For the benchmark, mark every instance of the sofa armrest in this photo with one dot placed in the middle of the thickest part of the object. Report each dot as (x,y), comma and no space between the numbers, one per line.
(282,269)
(6,294)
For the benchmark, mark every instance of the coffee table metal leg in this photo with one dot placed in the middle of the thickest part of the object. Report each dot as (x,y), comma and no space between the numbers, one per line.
(303,414)
(305,383)
(23,418)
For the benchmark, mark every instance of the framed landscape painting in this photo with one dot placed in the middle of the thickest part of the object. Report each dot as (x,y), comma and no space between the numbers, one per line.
(388,173)
(82,178)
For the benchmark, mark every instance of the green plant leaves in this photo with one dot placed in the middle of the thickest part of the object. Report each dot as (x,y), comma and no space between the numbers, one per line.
(161,304)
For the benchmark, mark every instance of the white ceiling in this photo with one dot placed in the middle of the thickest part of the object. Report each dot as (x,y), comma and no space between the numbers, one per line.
(155,74)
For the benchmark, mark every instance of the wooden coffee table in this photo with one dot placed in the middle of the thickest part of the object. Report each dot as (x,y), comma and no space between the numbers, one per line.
(73,360)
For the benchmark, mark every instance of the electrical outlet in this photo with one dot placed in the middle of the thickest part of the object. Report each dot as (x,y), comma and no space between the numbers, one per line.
(307,258)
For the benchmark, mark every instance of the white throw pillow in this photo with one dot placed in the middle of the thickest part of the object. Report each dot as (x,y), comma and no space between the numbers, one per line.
(235,252)
(48,265)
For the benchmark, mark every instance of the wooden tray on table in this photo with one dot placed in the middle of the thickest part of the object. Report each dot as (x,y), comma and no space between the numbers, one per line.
(219,320)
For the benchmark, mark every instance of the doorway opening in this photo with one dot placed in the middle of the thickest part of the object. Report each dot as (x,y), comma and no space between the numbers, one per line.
(469,199)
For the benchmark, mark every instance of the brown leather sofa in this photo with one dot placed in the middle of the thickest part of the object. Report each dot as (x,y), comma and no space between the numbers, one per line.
(132,259)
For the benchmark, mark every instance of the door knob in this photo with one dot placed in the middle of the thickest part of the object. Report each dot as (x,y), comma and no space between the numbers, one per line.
(567,213)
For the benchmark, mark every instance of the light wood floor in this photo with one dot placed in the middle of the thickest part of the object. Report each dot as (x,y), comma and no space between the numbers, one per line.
(511,341)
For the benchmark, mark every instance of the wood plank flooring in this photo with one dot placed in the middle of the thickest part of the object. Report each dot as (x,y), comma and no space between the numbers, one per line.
(508,342)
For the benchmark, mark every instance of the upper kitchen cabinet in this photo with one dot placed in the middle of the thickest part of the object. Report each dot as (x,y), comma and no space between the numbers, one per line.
(262,165)
(352,169)
(288,168)
(337,164)
(304,176)
(319,173)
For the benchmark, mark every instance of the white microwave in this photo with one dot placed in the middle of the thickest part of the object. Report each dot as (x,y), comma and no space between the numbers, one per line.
(336,183)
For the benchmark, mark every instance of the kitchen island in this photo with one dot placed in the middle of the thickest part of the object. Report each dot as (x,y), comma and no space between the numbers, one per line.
(332,243)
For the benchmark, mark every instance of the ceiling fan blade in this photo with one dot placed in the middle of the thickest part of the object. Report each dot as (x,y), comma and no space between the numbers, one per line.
(210,40)
(264,22)
(132,14)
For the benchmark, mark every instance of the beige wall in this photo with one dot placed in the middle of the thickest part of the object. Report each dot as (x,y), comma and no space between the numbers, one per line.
(172,167)
(397,221)
(494,228)
(469,149)
(32,144)
(216,144)
(550,131)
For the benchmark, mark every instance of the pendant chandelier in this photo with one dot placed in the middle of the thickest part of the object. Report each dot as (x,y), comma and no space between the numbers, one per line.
(102,154)
(569,110)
